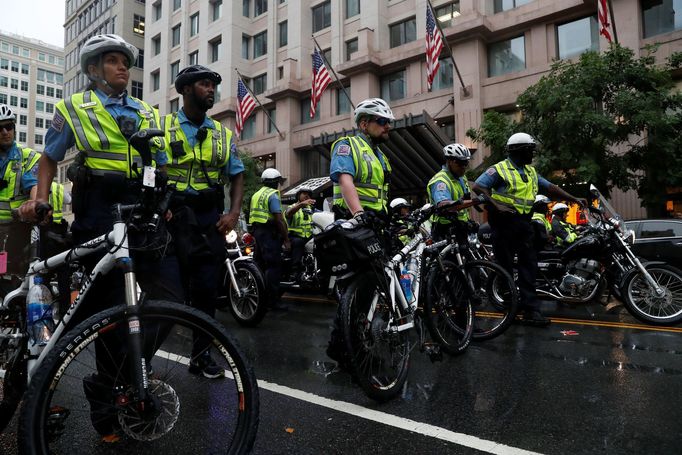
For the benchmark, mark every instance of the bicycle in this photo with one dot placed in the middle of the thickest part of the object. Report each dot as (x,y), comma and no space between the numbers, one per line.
(69,398)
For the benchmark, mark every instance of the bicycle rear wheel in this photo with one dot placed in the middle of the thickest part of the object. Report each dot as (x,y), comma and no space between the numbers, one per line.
(73,399)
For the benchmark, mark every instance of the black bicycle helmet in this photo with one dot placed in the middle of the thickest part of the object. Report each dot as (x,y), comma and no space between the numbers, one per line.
(194,73)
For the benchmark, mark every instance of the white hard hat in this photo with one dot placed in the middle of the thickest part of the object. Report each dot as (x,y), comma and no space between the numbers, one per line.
(457,152)
(541,199)
(374,106)
(6,113)
(100,44)
(559,207)
(270,174)
(520,140)
(399,202)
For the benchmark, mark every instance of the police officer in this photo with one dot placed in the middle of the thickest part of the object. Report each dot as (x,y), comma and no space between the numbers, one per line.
(399,209)
(18,178)
(359,170)
(270,231)
(513,184)
(542,229)
(203,158)
(98,122)
(564,233)
(448,185)
(300,222)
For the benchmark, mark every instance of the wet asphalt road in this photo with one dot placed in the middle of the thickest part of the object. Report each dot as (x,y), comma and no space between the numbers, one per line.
(590,383)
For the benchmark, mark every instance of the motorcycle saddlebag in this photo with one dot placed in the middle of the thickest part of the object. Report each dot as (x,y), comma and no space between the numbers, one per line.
(339,250)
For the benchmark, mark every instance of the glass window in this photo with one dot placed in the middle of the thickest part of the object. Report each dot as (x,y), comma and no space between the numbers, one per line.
(507,56)
(246,41)
(14,100)
(273,115)
(39,139)
(24,68)
(577,37)
(40,106)
(174,105)
(175,36)
(403,32)
(342,104)
(351,46)
(217,9)
(194,24)
(174,70)
(322,16)
(14,84)
(139,63)
(49,108)
(283,33)
(446,13)
(660,16)
(658,229)
(23,102)
(260,84)
(177,4)
(4,63)
(444,77)
(40,89)
(260,44)
(24,86)
(352,8)
(58,93)
(136,89)
(504,5)
(3,98)
(246,7)
(305,111)
(249,130)
(40,123)
(138,24)
(41,56)
(4,81)
(193,58)
(50,91)
(394,86)
(155,81)
(156,44)
(260,7)
(214,49)
(23,119)
(157,10)
(15,66)
(22,136)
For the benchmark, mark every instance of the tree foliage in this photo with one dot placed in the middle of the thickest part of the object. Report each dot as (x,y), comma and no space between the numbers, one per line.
(610,119)
(252,172)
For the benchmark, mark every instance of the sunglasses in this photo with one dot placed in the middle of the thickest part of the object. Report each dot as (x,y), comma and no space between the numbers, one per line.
(8,127)
(382,121)
(463,163)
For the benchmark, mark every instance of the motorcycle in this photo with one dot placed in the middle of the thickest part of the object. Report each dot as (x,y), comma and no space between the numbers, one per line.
(601,258)
(242,286)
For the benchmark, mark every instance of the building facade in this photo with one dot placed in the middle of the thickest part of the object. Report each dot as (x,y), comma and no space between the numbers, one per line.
(31,83)
(377,49)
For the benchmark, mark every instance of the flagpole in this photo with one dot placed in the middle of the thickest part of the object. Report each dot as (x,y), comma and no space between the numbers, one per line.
(333,72)
(613,22)
(445,41)
(262,107)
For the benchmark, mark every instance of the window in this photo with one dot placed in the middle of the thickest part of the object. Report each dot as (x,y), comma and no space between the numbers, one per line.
(22,136)
(446,13)
(4,81)
(305,111)
(507,56)
(41,56)
(444,77)
(352,8)
(322,16)
(23,119)
(577,37)
(174,105)
(138,24)
(175,36)
(3,98)
(246,42)
(24,68)
(58,93)
(194,24)
(24,86)
(156,44)
(217,9)
(342,104)
(658,229)
(246,7)
(155,81)
(249,131)
(39,139)
(403,32)
(139,63)
(23,103)
(50,91)
(156,10)
(661,16)
(214,49)
(14,84)
(260,7)
(394,86)
(14,100)
(283,33)
(136,89)
(40,106)
(4,63)
(504,5)
(177,4)
(174,70)
(271,124)
(260,44)
(280,72)
(49,108)
(351,46)
(40,123)
(15,67)
(193,58)
(260,84)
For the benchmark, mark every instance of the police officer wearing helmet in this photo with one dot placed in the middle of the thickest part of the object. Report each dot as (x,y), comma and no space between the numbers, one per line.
(202,159)
(359,170)
(300,221)
(270,231)
(542,228)
(448,185)
(18,178)
(513,184)
(399,210)
(562,230)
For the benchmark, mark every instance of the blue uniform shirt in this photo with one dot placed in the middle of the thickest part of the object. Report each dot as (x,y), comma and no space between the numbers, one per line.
(342,159)
(442,193)
(490,179)
(58,141)
(30,178)
(274,203)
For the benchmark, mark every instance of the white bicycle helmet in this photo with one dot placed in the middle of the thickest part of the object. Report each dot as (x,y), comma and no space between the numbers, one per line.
(100,44)
(270,174)
(398,203)
(374,107)
(521,140)
(542,199)
(560,207)
(6,113)
(456,152)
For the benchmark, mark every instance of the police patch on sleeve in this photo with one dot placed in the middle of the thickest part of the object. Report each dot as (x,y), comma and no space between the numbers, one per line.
(58,121)
(343,150)
(440,186)
(491,171)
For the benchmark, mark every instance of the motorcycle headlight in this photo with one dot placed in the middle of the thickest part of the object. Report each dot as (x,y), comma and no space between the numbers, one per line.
(231,237)
(629,237)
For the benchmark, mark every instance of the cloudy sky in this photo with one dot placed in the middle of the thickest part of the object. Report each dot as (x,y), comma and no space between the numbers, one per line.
(40,19)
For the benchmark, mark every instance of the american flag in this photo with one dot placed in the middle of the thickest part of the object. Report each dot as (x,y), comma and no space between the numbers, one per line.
(245,105)
(603,14)
(321,80)
(434,44)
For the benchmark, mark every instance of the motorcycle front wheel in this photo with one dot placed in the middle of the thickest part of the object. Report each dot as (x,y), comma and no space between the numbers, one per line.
(645,304)
(248,309)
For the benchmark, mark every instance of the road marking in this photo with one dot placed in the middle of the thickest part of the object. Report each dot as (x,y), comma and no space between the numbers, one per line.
(620,325)
(402,423)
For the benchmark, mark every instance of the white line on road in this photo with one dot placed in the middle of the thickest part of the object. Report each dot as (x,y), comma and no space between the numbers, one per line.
(424,429)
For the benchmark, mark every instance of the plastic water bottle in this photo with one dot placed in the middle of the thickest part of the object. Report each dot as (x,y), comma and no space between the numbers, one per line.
(39,312)
(406,284)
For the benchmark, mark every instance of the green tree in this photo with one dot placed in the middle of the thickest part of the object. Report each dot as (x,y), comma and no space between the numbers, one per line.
(252,183)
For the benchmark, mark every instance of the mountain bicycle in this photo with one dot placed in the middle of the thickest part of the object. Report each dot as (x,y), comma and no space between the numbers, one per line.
(146,394)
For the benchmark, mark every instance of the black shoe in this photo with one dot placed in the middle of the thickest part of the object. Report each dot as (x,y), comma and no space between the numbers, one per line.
(535,319)
(203,364)
(103,413)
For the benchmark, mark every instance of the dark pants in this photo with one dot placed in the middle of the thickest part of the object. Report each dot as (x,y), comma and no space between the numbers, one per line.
(268,256)
(513,235)
(297,249)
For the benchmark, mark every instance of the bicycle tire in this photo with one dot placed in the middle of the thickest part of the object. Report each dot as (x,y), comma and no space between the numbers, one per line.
(447,309)
(250,309)
(13,382)
(163,325)
(365,344)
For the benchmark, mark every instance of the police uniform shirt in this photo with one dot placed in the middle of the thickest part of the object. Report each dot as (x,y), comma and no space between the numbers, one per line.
(274,203)
(14,158)
(60,137)
(490,179)
(441,192)
(342,159)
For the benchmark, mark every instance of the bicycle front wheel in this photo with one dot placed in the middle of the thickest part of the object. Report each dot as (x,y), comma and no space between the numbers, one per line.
(83,392)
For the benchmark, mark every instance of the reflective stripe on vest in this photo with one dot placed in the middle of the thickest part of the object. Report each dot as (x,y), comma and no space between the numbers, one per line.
(537,216)
(370,176)
(570,238)
(57,201)
(12,196)
(98,135)
(260,208)
(186,171)
(518,194)
(301,224)
(456,191)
